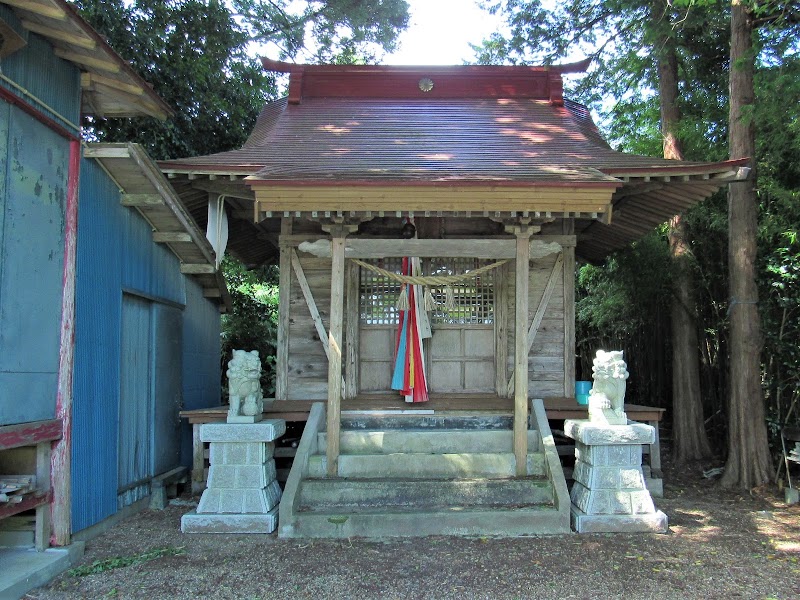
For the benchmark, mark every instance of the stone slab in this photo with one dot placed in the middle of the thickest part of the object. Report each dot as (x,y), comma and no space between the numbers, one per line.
(241,453)
(656,522)
(244,419)
(241,476)
(586,432)
(265,431)
(216,523)
(609,456)
(23,569)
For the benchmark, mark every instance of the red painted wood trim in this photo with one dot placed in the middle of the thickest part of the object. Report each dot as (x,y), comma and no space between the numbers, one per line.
(29,434)
(30,501)
(61,476)
(12,98)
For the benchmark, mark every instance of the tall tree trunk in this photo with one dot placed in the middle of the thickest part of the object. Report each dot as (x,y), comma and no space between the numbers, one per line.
(689,439)
(749,461)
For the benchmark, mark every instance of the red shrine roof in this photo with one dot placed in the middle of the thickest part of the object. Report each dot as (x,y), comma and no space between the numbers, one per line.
(456,126)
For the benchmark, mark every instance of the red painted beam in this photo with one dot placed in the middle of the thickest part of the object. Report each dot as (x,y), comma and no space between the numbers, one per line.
(29,434)
(12,98)
(30,501)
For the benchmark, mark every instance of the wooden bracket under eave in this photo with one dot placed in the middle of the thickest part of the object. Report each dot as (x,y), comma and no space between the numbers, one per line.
(296,85)
(605,216)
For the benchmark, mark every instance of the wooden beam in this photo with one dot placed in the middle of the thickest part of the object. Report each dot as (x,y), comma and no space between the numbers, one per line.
(137,200)
(521,351)
(310,302)
(165,237)
(212,293)
(82,41)
(45,10)
(335,344)
(198,269)
(122,151)
(114,84)
(88,61)
(29,434)
(29,502)
(541,310)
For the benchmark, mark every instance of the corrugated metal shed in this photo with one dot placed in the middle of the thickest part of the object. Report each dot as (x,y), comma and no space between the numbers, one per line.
(116,253)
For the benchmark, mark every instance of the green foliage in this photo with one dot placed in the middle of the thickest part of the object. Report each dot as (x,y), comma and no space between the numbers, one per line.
(119,562)
(197,55)
(252,324)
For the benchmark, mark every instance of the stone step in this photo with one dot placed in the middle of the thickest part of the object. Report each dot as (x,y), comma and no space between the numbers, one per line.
(427,441)
(372,421)
(327,495)
(382,523)
(427,466)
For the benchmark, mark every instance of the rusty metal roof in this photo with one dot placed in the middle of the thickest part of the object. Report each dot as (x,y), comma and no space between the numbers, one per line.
(412,126)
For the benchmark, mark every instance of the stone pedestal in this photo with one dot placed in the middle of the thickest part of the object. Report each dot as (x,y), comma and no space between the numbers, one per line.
(609,492)
(243,493)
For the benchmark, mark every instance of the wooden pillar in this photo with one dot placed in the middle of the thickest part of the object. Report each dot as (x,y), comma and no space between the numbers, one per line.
(569,311)
(523,254)
(352,271)
(61,455)
(284,313)
(338,234)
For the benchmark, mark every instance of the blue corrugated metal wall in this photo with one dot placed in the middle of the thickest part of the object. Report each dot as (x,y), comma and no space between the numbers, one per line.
(52,80)
(115,254)
(201,360)
(32,201)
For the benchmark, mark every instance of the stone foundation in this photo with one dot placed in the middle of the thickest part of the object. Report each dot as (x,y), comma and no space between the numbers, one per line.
(609,492)
(242,494)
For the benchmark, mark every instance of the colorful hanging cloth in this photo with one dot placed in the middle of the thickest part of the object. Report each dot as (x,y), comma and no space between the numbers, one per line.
(409,369)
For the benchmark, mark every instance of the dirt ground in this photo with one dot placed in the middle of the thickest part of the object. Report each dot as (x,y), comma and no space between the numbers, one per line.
(720,544)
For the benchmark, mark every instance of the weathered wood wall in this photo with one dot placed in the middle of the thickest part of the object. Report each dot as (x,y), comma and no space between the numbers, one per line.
(306,364)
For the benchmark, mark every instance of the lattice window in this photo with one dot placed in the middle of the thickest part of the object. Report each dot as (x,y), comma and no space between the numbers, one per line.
(474,298)
(379,294)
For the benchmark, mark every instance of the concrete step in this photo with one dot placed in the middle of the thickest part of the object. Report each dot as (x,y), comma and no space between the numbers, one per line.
(496,465)
(381,421)
(328,495)
(398,522)
(427,441)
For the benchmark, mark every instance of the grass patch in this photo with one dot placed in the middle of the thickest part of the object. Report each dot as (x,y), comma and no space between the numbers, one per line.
(119,562)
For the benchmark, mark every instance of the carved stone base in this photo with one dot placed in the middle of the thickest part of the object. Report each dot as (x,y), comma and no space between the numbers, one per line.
(609,492)
(243,493)
(213,523)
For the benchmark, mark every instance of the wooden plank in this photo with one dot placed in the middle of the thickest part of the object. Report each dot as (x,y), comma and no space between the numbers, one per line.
(46,10)
(284,315)
(521,352)
(541,309)
(335,353)
(30,501)
(310,302)
(88,61)
(162,237)
(29,434)
(42,529)
(198,453)
(198,269)
(141,200)
(352,335)
(82,41)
